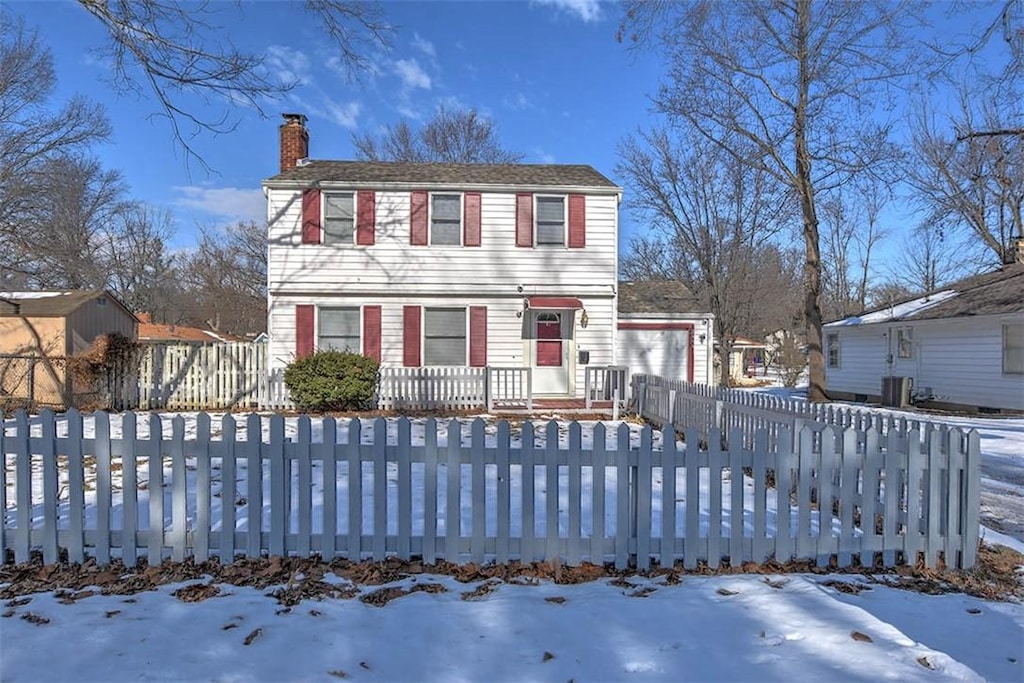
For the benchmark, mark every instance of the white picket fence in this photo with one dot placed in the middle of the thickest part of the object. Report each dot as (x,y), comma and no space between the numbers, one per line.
(471,494)
(705,408)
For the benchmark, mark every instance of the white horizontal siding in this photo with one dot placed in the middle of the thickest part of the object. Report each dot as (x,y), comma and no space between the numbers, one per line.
(629,354)
(505,345)
(959,360)
(496,267)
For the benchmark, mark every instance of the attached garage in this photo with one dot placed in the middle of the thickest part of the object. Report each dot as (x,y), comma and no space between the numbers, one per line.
(662,330)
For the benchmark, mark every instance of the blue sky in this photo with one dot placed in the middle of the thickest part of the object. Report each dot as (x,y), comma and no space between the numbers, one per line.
(549,73)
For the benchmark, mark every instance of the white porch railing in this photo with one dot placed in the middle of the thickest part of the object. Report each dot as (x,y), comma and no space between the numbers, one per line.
(606,383)
(509,387)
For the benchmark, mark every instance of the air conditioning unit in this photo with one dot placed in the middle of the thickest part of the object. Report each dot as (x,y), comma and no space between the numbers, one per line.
(896,391)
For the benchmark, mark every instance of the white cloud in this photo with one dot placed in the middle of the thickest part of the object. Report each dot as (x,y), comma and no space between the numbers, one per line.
(412,74)
(344,114)
(407,110)
(587,10)
(288,65)
(225,203)
(423,45)
(517,101)
(544,157)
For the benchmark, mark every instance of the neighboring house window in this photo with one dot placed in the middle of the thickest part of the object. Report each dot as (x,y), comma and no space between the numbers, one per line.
(1013,349)
(339,330)
(446,219)
(444,336)
(339,218)
(551,220)
(905,342)
(832,343)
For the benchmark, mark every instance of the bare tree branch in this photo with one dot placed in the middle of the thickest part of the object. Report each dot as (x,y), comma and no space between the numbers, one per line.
(460,136)
(171,50)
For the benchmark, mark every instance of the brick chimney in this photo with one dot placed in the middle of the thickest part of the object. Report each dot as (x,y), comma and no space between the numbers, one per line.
(294,140)
(1015,251)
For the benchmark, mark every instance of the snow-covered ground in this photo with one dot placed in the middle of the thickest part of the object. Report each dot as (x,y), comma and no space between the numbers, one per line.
(796,627)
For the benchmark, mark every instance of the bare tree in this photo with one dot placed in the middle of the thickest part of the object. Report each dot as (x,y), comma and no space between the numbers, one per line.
(460,136)
(173,50)
(849,240)
(974,184)
(927,259)
(712,220)
(140,269)
(33,129)
(787,87)
(225,279)
(56,240)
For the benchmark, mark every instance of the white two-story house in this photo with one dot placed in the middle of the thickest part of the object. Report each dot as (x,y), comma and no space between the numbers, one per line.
(426,264)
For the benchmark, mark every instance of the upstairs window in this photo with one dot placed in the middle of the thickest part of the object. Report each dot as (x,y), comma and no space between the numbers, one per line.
(446,219)
(339,218)
(551,220)
(832,346)
(339,330)
(1013,349)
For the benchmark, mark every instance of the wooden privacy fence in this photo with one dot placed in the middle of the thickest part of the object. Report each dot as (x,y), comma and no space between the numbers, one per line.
(473,493)
(225,375)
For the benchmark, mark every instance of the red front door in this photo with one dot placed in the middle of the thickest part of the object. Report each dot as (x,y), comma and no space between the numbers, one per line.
(549,340)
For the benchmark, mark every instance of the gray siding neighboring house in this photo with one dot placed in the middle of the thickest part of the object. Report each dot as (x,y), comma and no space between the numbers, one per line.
(961,346)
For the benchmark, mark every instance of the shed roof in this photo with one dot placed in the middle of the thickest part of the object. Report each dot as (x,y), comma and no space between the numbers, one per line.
(998,292)
(386,172)
(51,304)
(664,297)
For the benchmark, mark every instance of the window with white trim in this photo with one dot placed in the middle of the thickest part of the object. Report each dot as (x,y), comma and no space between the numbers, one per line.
(832,350)
(1013,348)
(446,219)
(905,342)
(339,329)
(339,217)
(550,220)
(444,336)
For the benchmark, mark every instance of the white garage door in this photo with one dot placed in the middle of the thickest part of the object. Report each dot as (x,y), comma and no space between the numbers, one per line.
(655,352)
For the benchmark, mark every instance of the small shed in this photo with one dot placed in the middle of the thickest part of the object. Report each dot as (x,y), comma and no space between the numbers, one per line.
(664,330)
(39,330)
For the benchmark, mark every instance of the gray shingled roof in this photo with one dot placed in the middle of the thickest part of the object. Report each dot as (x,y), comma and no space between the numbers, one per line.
(657,297)
(995,293)
(380,172)
(49,304)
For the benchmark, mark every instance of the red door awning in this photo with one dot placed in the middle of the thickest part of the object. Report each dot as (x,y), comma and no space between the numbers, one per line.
(559,302)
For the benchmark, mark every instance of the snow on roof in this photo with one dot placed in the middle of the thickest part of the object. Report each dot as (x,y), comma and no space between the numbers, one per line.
(897,312)
(32,295)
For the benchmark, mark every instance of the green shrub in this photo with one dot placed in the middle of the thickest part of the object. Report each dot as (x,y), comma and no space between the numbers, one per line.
(332,380)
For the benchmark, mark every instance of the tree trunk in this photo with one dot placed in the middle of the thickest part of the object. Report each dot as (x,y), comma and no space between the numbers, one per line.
(805,190)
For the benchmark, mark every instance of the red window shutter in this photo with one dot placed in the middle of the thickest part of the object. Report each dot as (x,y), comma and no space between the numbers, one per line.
(371,332)
(478,336)
(311,216)
(471,219)
(304,330)
(411,336)
(418,218)
(366,219)
(577,221)
(524,220)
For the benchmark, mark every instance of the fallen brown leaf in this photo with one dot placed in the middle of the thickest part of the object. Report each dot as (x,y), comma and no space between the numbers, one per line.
(862,637)
(548,656)
(253,636)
